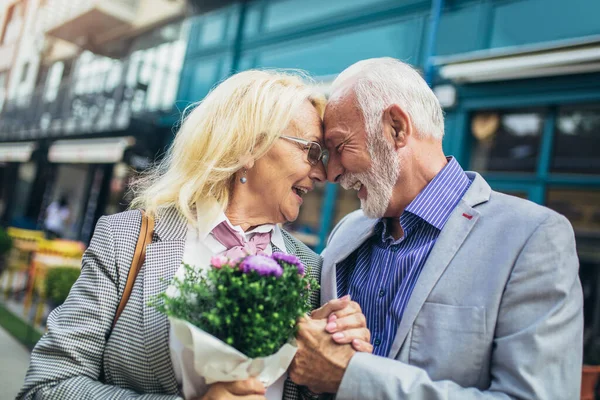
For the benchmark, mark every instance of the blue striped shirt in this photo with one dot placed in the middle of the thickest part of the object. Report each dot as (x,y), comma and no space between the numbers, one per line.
(382,273)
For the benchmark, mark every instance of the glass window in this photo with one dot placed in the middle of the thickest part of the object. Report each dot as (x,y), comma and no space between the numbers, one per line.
(2,89)
(5,175)
(581,207)
(506,141)
(55,75)
(25,72)
(577,140)
(71,182)
(25,179)
(286,13)
(119,196)
(331,53)
(513,23)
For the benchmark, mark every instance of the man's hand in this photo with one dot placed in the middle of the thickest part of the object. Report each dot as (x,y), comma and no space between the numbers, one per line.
(320,362)
(346,323)
(250,389)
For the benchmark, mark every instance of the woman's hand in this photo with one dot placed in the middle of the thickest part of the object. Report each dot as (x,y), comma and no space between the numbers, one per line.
(250,389)
(346,323)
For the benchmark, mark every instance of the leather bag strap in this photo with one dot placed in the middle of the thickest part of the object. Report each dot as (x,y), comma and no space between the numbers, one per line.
(144,239)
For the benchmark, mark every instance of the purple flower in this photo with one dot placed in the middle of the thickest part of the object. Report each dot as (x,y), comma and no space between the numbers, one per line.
(290,259)
(263,265)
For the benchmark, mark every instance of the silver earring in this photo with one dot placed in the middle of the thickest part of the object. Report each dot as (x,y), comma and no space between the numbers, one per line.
(243,179)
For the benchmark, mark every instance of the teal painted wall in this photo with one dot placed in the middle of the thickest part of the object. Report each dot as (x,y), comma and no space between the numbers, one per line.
(328,54)
(324,37)
(533,21)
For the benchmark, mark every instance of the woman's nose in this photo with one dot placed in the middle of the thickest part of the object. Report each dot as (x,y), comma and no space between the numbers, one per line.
(317,172)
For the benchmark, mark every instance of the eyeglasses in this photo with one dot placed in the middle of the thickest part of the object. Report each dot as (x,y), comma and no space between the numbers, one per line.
(315,151)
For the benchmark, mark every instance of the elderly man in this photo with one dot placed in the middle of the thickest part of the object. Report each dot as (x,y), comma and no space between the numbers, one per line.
(468,293)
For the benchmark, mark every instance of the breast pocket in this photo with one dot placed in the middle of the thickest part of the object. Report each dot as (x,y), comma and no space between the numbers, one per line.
(449,342)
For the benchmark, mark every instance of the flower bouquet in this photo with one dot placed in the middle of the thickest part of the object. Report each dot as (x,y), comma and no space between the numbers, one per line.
(236,319)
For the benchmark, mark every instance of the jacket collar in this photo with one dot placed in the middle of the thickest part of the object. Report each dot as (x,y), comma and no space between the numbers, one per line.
(356,228)
(170,225)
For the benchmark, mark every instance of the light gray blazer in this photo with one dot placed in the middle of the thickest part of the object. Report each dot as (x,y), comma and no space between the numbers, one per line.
(497,312)
(81,358)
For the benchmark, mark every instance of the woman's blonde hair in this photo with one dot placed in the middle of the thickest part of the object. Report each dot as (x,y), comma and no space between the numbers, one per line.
(238,121)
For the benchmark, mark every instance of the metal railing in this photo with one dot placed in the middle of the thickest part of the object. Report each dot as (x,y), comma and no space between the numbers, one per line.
(91,103)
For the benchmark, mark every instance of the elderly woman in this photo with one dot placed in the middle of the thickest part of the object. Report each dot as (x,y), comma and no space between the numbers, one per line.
(239,166)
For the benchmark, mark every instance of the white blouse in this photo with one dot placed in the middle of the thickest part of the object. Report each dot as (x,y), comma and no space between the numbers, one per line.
(200,246)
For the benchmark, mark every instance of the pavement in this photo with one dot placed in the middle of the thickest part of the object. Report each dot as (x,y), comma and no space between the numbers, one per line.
(14,360)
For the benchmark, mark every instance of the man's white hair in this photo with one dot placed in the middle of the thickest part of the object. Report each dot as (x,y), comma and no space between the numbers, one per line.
(380,82)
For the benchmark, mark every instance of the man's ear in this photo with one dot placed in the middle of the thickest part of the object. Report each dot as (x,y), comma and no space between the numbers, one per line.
(397,126)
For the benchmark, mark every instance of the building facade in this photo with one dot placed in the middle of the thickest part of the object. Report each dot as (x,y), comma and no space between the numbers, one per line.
(519,81)
(83,102)
(89,91)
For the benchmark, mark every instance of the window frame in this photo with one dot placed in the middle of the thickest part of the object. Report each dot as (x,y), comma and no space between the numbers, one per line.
(535,184)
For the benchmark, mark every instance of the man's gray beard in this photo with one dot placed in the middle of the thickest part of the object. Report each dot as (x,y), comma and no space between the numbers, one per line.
(380,180)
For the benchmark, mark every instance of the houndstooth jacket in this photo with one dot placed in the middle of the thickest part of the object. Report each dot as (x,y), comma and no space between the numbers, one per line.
(81,357)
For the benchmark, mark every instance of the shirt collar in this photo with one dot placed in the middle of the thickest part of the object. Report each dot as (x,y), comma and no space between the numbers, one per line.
(277,239)
(408,222)
(438,199)
(210,214)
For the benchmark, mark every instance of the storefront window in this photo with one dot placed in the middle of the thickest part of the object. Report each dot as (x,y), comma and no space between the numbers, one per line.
(507,141)
(25,179)
(71,182)
(119,197)
(577,140)
(3,82)
(4,184)
(55,75)
(582,208)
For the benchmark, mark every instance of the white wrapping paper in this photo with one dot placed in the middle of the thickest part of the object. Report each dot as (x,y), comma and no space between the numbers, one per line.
(203,355)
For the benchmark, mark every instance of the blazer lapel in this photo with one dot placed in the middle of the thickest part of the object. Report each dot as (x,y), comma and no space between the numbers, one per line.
(459,225)
(310,259)
(338,250)
(290,247)
(163,258)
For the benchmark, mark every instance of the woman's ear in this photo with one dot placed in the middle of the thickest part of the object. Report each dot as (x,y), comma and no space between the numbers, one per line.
(248,162)
(397,126)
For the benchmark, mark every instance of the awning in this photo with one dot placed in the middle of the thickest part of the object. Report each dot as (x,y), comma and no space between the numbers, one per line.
(562,58)
(16,152)
(89,151)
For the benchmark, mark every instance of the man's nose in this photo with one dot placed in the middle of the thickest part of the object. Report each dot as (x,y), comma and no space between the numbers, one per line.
(334,168)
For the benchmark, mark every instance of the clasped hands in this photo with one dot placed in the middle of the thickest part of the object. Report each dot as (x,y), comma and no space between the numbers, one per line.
(326,341)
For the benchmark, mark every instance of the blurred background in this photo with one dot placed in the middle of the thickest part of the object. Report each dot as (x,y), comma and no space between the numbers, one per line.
(90,91)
